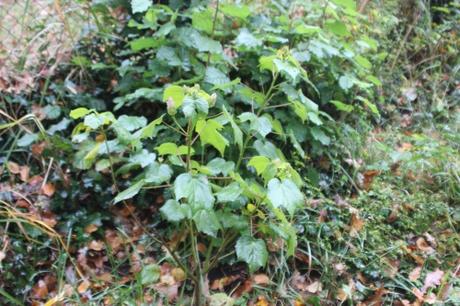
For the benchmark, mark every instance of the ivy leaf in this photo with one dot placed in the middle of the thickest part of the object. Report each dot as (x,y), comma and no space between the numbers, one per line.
(346,82)
(158,173)
(148,131)
(132,123)
(260,163)
(130,192)
(140,6)
(194,105)
(206,221)
(170,148)
(79,112)
(143,158)
(343,106)
(176,93)
(229,193)
(215,77)
(284,194)
(173,211)
(246,39)
(262,125)
(146,43)
(319,135)
(233,10)
(237,133)
(195,189)
(193,39)
(202,20)
(220,165)
(252,251)
(338,28)
(150,274)
(209,133)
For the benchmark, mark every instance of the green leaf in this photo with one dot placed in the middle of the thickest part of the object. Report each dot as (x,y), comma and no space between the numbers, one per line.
(305,29)
(313,117)
(148,131)
(194,105)
(261,125)
(169,56)
(203,20)
(267,63)
(215,77)
(194,39)
(209,133)
(176,93)
(207,222)
(79,112)
(349,4)
(238,11)
(27,140)
(260,163)
(173,211)
(143,158)
(337,27)
(343,106)
(319,135)
(251,95)
(132,123)
(363,62)
(130,192)
(246,39)
(237,133)
(150,274)
(158,173)
(220,165)
(284,194)
(195,189)
(145,43)
(346,82)
(170,148)
(229,193)
(252,251)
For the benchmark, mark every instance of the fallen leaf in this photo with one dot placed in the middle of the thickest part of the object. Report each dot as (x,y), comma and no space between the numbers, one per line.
(83,286)
(423,246)
(13,167)
(432,279)
(261,279)
(376,298)
(314,287)
(48,189)
(261,301)
(415,274)
(96,245)
(369,178)
(91,228)
(356,224)
(178,274)
(2,256)
(40,290)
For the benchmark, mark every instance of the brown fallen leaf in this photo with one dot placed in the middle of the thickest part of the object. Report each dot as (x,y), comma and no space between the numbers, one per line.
(369,178)
(90,228)
(261,301)
(356,224)
(261,279)
(423,246)
(48,189)
(432,279)
(376,298)
(84,286)
(96,245)
(415,274)
(40,290)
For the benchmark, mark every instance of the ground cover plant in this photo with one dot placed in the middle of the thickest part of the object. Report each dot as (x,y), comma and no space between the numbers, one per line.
(238,153)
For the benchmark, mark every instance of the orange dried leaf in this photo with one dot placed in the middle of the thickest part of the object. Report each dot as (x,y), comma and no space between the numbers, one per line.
(415,274)
(261,279)
(83,286)
(48,189)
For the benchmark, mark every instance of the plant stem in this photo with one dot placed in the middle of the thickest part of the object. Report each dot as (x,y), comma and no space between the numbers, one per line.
(198,274)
